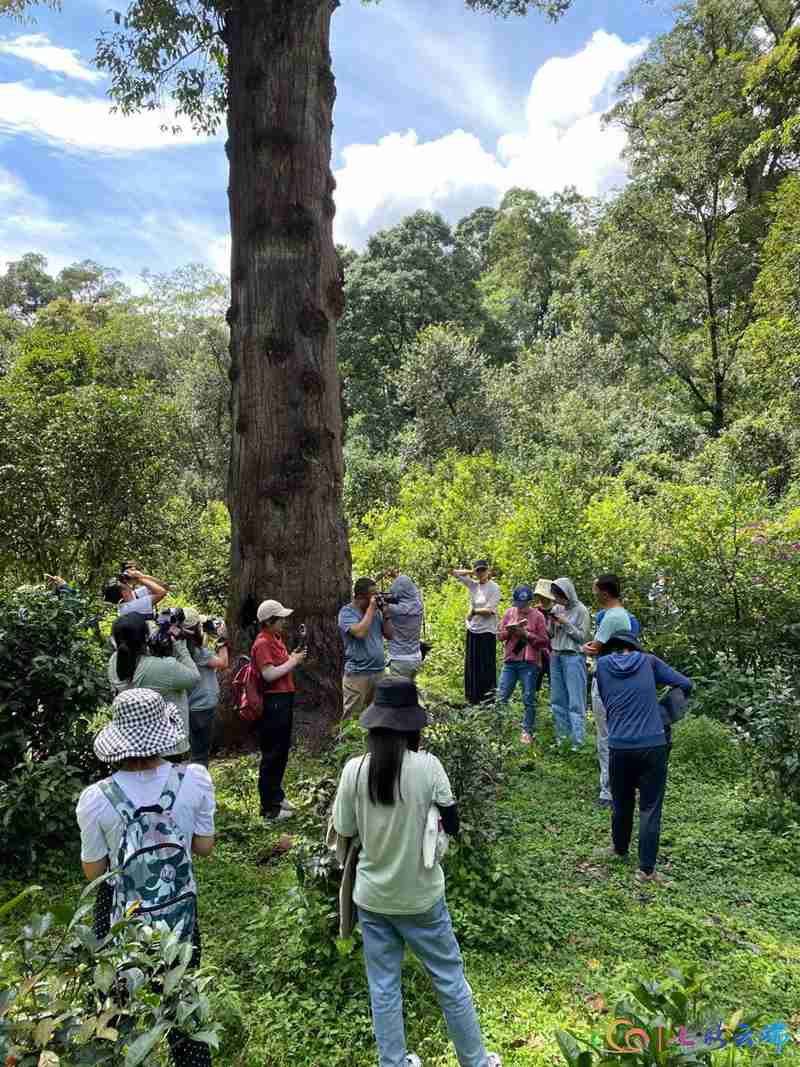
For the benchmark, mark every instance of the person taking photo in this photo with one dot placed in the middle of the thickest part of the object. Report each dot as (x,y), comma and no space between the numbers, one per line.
(569,625)
(204,698)
(405,612)
(128,597)
(275,665)
(480,656)
(363,626)
(132,667)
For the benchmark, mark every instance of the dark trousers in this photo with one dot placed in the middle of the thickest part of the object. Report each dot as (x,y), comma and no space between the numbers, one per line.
(275,739)
(480,667)
(644,769)
(185,1053)
(201,730)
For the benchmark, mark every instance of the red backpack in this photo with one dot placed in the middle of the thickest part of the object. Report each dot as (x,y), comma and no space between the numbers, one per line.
(248,697)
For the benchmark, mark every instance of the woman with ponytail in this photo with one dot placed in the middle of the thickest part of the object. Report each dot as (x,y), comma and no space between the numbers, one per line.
(384,797)
(132,667)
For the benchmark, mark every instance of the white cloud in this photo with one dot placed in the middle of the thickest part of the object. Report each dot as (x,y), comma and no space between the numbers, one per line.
(564,143)
(38,49)
(25,221)
(87,123)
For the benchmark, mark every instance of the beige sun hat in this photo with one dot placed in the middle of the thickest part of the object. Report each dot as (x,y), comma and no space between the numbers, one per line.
(544,589)
(271,609)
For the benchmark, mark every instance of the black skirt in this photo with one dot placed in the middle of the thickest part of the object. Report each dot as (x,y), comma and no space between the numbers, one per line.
(480,667)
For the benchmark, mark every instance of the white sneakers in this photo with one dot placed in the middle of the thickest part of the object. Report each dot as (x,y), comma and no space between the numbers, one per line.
(413,1060)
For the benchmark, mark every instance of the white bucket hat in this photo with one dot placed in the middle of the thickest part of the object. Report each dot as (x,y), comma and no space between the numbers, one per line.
(270,609)
(143,725)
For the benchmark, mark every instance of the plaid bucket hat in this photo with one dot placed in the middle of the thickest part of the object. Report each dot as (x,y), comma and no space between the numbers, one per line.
(143,724)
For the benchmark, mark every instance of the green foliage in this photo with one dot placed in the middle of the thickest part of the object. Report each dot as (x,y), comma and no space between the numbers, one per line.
(195,547)
(37,807)
(706,748)
(443,380)
(51,677)
(649,1021)
(66,997)
(82,477)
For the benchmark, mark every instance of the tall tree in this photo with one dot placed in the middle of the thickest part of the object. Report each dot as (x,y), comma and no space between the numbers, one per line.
(410,276)
(268,65)
(678,252)
(530,251)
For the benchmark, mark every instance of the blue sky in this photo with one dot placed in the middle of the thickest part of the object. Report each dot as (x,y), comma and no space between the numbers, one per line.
(438,107)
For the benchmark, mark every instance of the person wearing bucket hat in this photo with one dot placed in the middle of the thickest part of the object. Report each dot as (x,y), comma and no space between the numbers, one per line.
(143,727)
(627,681)
(480,656)
(204,698)
(523,632)
(384,797)
(276,665)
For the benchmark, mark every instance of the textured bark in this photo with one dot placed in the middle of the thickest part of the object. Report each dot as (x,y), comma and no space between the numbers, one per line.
(289,539)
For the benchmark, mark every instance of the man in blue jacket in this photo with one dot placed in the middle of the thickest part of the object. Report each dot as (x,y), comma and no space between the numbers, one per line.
(627,681)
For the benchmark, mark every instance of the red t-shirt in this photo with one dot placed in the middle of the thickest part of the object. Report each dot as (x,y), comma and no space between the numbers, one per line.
(269,651)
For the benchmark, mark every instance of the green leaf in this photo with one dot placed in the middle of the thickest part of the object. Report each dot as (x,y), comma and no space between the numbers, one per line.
(144,1045)
(570,1049)
(15,901)
(207,1037)
(104,976)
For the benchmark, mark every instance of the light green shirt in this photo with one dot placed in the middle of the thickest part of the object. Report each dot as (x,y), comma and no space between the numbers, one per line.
(391,877)
(614,620)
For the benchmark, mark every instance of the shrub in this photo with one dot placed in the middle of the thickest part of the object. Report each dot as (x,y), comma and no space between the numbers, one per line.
(51,677)
(706,748)
(66,997)
(670,1023)
(37,807)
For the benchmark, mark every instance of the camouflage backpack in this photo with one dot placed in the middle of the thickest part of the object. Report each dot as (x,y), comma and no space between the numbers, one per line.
(154,864)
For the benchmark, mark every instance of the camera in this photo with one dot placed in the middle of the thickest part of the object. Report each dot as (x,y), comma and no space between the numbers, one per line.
(161,640)
(213,626)
(382,599)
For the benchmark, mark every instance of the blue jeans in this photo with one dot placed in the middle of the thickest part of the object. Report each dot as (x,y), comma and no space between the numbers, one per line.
(430,937)
(568,696)
(527,674)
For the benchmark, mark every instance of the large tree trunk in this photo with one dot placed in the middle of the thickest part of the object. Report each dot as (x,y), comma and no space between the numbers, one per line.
(289,539)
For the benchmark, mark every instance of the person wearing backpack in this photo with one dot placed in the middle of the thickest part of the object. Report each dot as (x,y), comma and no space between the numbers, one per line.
(275,666)
(385,798)
(627,681)
(146,820)
(132,667)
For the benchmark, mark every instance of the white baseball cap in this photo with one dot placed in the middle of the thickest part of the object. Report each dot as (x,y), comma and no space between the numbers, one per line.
(270,609)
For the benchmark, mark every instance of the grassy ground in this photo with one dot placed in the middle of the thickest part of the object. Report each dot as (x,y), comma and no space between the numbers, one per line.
(545,926)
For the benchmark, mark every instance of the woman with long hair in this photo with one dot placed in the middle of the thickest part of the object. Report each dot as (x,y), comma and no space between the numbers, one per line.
(480,657)
(384,797)
(132,667)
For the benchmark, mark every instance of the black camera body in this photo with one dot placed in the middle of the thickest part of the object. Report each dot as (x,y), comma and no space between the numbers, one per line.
(213,626)
(161,641)
(382,599)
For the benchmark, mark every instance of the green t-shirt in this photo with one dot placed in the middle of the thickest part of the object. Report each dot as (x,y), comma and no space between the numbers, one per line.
(391,877)
(614,620)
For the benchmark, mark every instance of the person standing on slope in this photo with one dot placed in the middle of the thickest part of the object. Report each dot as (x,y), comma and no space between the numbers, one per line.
(569,625)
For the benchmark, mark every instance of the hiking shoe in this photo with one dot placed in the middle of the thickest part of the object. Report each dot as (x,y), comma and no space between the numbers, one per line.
(493,1060)
(654,878)
(603,802)
(413,1060)
(526,738)
(608,852)
(286,806)
(281,816)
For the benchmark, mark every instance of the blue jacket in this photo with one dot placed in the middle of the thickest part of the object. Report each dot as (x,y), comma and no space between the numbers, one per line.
(627,685)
